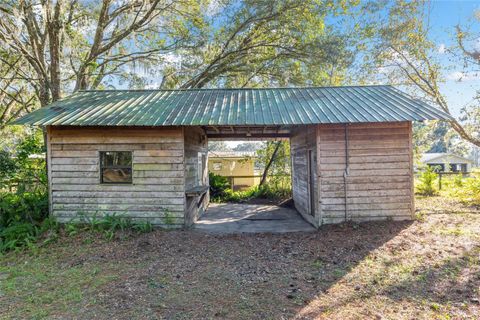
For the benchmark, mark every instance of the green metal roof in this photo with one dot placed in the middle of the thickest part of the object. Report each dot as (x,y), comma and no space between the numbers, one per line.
(271,106)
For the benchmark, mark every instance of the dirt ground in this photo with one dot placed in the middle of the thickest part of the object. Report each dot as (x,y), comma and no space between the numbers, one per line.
(423,269)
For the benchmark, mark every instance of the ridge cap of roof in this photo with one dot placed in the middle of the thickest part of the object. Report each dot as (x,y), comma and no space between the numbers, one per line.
(236,89)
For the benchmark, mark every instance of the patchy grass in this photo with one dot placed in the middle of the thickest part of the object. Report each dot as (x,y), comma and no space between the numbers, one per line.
(425,269)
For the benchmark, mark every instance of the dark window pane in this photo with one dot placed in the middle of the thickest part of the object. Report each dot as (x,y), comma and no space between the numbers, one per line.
(116,166)
(121,175)
(115,158)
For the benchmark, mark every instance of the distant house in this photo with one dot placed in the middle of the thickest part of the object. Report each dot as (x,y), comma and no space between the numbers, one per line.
(238,166)
(447,162)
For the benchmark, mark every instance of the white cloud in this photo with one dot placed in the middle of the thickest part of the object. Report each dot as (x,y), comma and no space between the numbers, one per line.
(463,76)
(442,48)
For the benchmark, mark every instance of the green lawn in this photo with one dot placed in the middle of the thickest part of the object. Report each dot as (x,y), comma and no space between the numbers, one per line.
(425,269)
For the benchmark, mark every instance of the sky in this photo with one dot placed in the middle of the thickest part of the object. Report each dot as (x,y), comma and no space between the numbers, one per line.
(459,88)
(445,15)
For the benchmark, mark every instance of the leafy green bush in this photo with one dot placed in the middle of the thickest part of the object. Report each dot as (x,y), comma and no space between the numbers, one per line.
(24,169)
(8,166)
(426,180)
(274,189)
(219,187)
(22,218)
(31,207)
(23,193)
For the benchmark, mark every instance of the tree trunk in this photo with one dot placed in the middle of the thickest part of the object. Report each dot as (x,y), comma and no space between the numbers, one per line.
(267,167)
(53,27)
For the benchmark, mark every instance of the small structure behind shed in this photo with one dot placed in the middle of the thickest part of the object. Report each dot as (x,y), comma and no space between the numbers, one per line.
(447,162)
(238,166)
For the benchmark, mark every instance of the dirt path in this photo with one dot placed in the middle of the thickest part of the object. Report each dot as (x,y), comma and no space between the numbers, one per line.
(424,269)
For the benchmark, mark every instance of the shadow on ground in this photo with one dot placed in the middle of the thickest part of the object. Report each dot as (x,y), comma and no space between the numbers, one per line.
(389,270)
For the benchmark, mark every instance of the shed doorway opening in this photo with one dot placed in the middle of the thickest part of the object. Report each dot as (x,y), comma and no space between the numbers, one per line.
(251,186)
(250,169)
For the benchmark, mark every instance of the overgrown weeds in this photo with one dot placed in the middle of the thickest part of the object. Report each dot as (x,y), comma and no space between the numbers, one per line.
(21,235)
(464,189)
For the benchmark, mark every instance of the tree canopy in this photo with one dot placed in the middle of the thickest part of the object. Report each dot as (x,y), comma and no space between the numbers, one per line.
(53,48)
(49,49)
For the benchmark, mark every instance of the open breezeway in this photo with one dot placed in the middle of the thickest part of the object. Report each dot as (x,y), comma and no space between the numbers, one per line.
(250,218)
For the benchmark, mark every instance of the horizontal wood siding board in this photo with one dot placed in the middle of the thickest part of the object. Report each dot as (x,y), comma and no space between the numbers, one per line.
(159,153)
(367,193)
(158,173)
(157,159)
(145,175)
(362,138)
(366,144)
(137,201)
(130,208)
(361,126)
(177,217)
(335,220)
(376,199)
(371,151)
(366,159)
(367,180)
(367,206)
(118,194)
(157,166)
(79,147)
(368,186)
(365,166)
(367,173)
(147,188)
(79,174)
(111,140)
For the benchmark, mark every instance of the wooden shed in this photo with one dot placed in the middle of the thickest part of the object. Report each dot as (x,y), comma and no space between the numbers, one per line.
(143,153)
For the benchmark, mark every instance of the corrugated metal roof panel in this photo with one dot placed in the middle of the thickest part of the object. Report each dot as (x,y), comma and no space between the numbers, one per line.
(271,106)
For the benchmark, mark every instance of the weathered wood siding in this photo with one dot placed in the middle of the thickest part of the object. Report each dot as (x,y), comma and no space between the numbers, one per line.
(378,183)
(157,193)
(195,144)
(302,140)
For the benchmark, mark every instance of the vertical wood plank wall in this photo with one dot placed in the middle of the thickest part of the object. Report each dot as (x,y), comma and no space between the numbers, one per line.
(195,143)
(157,193)
(303,139)
(379,180)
